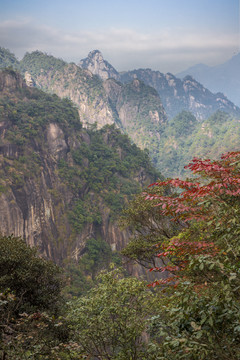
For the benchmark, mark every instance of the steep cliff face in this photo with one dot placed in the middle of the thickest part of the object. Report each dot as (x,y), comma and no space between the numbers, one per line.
(135,107)
(186,94)
(176,94)
(60,184)
(140,111)
(11,81)
(70,81)
(98,66)
(29,80)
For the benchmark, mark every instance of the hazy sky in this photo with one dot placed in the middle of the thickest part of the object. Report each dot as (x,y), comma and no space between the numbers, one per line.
(165,35)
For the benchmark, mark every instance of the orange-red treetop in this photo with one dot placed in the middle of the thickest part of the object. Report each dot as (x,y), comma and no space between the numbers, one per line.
(218,182)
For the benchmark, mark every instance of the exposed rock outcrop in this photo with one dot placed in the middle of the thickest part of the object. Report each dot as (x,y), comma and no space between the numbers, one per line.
(140,110)
(98,66)
(135,107)
(44,166)
(28,79)
(176,94)
(10,81)
(186,94)
(83,88)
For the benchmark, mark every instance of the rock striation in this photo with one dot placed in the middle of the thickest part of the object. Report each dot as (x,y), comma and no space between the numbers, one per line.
(49,177)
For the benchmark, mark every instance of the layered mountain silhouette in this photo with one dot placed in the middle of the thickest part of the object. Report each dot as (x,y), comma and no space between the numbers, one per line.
(224,77)
(176,94)
(173,119)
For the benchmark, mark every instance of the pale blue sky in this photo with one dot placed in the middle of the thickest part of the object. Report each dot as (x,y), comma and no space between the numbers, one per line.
(165,35)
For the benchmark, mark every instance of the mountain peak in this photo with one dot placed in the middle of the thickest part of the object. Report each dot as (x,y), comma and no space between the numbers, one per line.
(95,53)
(98,66)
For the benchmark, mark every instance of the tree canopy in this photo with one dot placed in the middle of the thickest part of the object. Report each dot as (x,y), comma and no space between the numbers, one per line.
(30,303)
(199,317)
(111,321)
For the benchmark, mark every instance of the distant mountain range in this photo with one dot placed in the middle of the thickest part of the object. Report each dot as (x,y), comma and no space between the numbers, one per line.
(224,77)
(173,119)
(176,94)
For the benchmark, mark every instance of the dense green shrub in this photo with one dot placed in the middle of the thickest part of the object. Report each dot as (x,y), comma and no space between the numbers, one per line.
(36,282)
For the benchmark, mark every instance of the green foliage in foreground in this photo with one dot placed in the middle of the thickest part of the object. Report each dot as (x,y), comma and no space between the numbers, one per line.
(34,281)
(110,322)
(148,227)
(199,316)
(30,303)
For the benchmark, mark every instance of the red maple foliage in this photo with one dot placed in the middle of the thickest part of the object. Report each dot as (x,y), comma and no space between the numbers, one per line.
(218,182)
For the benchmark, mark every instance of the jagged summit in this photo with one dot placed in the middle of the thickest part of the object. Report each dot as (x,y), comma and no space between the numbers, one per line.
(98,66)
(182,94)
(176,94)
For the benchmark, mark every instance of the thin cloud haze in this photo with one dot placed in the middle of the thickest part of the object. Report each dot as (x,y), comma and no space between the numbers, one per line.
(168,50)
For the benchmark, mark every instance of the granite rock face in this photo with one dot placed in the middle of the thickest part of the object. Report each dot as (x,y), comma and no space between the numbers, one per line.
(83,88)
(35,194)
(98,66)
(186,94)
(11,81)
(29,80)
(135,108)
(176,94)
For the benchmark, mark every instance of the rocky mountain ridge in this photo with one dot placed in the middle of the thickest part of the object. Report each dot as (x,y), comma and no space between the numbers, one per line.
(176,94)
(224,77)
(136,108)
(98,66)
(68,80)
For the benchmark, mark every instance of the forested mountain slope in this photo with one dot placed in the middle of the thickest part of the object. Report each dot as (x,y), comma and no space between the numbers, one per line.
(173,133)
(135,108)
(61,184)
(185,138)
